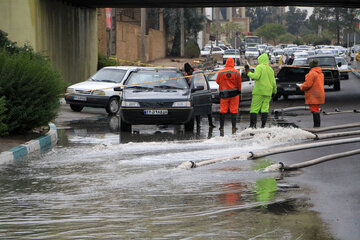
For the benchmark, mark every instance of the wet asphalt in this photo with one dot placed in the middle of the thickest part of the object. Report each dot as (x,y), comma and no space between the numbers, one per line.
(332,187)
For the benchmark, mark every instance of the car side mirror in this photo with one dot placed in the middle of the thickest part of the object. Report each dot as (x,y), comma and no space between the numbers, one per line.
(118,89)
(339,64)
(197,88)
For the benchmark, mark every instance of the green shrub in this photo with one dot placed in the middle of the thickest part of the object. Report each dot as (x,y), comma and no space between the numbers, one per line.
(31,88)
(104,61)
(322,41)
(3,127)
(192,49)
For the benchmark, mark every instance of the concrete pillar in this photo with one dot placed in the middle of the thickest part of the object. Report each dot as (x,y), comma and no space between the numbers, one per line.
(217,14)
(161,20)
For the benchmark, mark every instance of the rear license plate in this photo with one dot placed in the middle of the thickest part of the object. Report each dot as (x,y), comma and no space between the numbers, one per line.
(289,89)
(80,98)
(155,112)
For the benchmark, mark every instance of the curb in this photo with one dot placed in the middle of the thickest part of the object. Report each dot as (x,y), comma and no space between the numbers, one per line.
(41,143)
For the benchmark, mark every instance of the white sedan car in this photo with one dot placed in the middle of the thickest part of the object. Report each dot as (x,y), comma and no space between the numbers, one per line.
(247,85)
(98,90)
(205,51)
(252,52)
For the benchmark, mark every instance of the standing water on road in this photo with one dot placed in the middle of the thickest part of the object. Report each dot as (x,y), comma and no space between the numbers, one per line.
(92,186)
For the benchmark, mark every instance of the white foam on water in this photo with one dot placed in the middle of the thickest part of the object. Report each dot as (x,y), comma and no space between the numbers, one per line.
(148,153)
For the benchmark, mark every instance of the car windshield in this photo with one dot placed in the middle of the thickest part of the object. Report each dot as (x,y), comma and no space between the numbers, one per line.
(232,51)
(109,75)
(253,49)
(299,62)
(342,60)
(325,61)
(212,76)
(157,79)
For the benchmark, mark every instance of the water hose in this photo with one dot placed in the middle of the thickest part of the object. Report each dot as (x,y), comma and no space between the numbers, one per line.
(277,111)
(285,149)
(337,134)
(337,111)
(323,129)
(276,150)
(281,167)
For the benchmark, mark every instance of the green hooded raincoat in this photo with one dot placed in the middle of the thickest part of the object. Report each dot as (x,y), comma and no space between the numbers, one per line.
(264,77)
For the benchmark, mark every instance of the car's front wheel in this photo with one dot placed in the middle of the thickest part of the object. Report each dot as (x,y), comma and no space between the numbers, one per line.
(76,108)
(189,126)
(113,106)
(124,127)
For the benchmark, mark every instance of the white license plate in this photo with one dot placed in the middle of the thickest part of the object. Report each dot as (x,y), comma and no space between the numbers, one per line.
(155,112)
(80,98)
(289,89)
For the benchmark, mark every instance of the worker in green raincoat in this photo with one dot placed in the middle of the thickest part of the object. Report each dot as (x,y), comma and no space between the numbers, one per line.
(264,89)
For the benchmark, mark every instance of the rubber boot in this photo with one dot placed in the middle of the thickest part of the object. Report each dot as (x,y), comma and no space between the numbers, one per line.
(316,118)
(222,121)
(211,125)
(198,119)
(233,122)
(253,119)
(264,117)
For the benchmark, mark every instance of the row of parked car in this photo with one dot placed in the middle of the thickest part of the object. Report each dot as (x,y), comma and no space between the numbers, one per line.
(152,95)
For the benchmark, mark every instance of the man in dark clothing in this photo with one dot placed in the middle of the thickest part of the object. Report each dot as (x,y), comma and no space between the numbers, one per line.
(189,71)
(291,60)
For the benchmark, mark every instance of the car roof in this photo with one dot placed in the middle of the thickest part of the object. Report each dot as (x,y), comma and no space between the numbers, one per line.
(120,67)
(156,68)
(321,56)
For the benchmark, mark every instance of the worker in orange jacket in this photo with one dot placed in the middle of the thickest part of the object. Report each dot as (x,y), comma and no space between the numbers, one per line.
(229,81)
(314,90)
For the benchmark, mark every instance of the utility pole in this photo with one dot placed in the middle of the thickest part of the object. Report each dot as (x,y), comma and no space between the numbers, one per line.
(217,12)
(182,32)
(143,33)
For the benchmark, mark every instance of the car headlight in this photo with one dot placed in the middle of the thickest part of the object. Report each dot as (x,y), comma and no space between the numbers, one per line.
(98,92)
(129,104)
(70,90)
(182,104)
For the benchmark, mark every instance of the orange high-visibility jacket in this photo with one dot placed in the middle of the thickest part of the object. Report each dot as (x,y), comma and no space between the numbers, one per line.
(229,78)
(314,87)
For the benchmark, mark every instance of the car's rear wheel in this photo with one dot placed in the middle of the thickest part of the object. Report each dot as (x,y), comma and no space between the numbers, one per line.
(76,108)
(189,126)
(337,86)
(113,106)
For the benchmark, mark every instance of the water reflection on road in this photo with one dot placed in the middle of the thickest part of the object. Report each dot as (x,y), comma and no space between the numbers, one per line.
(100,184)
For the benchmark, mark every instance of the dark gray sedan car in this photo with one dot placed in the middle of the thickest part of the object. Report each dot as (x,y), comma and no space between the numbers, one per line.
(164,96)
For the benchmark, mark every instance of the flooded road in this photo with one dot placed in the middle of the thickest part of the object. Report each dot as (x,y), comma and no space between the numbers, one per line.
(99,184)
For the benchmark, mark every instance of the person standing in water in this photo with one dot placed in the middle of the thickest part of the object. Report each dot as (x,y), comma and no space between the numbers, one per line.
(265,87)
(229,81)
(314,90)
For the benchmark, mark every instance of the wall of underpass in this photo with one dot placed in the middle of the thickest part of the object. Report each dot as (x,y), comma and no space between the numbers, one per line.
(64,33)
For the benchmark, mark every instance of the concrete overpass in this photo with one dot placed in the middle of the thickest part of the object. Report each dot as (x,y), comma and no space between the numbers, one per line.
(66,30)
(211,3)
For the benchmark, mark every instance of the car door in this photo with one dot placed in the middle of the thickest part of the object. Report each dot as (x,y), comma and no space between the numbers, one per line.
(200,94)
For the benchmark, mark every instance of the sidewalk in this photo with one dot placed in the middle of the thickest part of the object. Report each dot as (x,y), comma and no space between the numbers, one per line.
(13,148)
